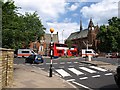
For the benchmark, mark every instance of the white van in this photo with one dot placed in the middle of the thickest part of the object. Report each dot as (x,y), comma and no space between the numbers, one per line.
(89,52)
(25,52)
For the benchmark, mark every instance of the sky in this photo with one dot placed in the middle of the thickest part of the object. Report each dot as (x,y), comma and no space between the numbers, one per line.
(65,15)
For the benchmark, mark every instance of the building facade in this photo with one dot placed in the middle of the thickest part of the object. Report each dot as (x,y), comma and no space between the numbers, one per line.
(42,46)
(86,37)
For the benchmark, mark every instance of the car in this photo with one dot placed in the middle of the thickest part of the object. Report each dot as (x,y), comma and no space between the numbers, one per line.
(108,55)
(34,59)
(115,55)
(117,76)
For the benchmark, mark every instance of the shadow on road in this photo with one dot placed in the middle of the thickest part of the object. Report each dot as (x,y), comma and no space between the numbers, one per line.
(110,87)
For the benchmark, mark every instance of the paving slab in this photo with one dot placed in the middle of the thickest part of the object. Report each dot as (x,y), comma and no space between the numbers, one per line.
(33,77)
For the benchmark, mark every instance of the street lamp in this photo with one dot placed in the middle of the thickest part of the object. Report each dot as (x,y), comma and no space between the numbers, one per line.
(51,51)
(62,37)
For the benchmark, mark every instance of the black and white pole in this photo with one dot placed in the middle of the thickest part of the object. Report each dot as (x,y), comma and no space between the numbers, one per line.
(51,52)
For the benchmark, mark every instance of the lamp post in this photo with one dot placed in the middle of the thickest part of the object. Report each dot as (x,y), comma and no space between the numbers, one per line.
(62,36)
(51,52)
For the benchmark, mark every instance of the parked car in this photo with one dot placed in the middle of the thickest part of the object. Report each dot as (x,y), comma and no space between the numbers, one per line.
(117,76)
(33,58)
(108,55)
(115,55)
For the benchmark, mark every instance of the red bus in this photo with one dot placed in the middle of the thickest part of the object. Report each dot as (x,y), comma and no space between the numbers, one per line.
(62,50)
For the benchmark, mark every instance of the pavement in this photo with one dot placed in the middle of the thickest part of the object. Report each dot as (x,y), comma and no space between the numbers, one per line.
(26,76)
(32,77)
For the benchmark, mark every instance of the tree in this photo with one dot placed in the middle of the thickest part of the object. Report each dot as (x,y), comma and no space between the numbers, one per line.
(109,36)
(18,29)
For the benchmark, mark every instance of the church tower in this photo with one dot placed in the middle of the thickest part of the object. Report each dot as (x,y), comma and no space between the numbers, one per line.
(90,25)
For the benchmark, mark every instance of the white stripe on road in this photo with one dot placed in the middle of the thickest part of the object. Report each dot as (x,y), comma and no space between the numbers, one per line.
(83,78)
(75,71)
(75,62)
(108,74)
(71,66)
(55,63)
(96,76)
(69,62)
(62,72)
(98,68)
(87,70)
(81,85)
(62,63)
(47,63)
(70,80)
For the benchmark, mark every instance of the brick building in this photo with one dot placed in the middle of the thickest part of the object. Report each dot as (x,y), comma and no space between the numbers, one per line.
(86,36)
(42,46)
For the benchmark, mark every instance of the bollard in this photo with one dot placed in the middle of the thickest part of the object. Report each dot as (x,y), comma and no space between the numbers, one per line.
(89,57)
(50,73)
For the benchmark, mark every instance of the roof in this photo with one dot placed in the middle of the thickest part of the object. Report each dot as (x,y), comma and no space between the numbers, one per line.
(78,35)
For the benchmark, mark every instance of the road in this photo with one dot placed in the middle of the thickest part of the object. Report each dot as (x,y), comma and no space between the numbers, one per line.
(79,74)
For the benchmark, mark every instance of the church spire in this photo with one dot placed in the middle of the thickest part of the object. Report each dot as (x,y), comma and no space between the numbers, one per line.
(80,25)
(90,24)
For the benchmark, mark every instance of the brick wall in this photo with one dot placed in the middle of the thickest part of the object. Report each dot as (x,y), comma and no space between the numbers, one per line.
(6,67)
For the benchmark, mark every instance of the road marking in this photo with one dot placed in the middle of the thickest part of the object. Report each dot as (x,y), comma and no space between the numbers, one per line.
(61,67)
(96,76)
(81,85)
(75,71)
(98,68)
(55,63)
(75,62)
(71,66)
(70,80)
(69,62)
(62,63)
(47,63)
(108,74)
(87,70)
(62,72)
(83,78)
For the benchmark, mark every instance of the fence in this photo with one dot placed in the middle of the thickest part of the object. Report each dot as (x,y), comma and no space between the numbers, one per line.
(6,67)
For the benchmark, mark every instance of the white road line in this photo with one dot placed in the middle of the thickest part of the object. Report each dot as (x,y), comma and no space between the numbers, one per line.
(96,76)
(87,70)
(83,78)
(69,62)
(75,62)
(71,66)
(75,71)
(55,63)
(63,72)
(81,85)
(61,67)
(70,80)
(62,63)
(98,68)
(108,74)
(47,63)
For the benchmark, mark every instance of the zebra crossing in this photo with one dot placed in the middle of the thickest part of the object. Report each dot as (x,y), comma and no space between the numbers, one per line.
(94,71)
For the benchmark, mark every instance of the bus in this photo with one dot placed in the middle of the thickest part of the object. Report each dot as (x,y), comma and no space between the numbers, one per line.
(59,50)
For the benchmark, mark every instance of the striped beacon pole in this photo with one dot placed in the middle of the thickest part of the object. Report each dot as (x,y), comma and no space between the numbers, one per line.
(51,52)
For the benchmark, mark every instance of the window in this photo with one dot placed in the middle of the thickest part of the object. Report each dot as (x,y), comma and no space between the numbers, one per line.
(88,51)
(25,51)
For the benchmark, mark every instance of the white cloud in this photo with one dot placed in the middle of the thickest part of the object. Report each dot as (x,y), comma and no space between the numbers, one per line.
(67,27)
(73,7)
(47,9)
(101,12)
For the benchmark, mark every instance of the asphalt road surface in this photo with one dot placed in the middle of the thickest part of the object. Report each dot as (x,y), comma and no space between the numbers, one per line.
(81,75)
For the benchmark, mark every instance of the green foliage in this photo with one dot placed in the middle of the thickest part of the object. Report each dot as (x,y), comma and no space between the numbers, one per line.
(69,43)
(110,36)
(18,29)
